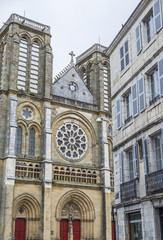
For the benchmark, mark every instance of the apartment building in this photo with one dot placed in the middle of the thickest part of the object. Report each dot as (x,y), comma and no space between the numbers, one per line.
(136,63)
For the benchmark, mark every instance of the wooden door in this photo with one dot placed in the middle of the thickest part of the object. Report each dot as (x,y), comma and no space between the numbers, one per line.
(76,229)
(64,229)
(20,225)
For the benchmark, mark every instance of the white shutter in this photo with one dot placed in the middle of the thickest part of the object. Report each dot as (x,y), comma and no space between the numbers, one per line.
(138,39)
(122,62)
(121,171)
(135,160)
(118,104)
(160,74)
(157,15)
(145,155)
(134,100)
(141,94)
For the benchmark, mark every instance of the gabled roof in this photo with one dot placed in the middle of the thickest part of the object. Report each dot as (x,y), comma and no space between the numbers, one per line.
(68,84)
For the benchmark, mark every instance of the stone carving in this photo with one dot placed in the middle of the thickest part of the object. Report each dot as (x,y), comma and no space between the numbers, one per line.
(71,211)
(71,141)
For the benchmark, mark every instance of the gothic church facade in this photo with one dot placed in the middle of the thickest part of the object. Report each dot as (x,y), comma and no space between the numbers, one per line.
(56,167)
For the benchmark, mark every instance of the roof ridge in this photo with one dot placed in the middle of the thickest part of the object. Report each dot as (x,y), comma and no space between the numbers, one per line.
(62,72)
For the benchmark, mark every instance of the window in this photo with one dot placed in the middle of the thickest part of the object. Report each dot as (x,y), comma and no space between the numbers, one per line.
(132,157)
(124,55)
(18,140)
(34,67)
(105,77)
(31,151)
(84,76)
(149,25)
(128,109)
(130,163)
(22,65)
(28,65)
(135,226)
(158,152)
(118,108)
(153,21)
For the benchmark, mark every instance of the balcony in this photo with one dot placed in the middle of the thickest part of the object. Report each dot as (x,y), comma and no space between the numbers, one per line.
(128,190)
(24,171)
(76,176)
(154,182)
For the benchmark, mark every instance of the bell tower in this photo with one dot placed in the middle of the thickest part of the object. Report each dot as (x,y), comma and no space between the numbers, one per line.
(25,52)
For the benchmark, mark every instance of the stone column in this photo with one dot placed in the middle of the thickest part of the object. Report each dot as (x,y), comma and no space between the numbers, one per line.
(10,168)
(106,178)
(47,183)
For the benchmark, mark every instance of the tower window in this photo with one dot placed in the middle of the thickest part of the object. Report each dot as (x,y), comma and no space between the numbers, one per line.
(22,65)
(105,74)
(31,151)
(19,140)
(34,67)
(84,77)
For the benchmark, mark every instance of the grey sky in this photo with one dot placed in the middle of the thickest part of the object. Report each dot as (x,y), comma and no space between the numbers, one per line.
(75,24)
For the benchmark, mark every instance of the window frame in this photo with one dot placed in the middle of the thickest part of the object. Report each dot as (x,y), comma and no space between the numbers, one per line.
(124,55)
(158,136)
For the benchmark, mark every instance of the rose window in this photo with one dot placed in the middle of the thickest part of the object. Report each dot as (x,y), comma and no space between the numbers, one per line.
(71,141)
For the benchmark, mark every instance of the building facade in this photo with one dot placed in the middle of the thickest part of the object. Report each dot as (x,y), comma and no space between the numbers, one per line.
(136,63)
(56,165)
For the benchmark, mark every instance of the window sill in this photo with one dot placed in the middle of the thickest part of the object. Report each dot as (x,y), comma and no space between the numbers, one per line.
(124,70)
(126,125)
(149,44)
(156,103)
(154,100)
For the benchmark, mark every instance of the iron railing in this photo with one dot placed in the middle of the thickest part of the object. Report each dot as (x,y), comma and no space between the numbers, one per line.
(154,182)
(128,190)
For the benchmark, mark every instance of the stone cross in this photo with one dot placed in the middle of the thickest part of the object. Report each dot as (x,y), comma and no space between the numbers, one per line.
(72,55)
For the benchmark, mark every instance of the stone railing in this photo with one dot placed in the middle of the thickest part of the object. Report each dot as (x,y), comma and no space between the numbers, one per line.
(128,190)
(30,171)
(71,102)
(154,182)
(26,22)
(76,176)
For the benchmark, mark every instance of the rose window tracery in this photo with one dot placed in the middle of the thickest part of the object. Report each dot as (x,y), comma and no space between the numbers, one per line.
(71,141)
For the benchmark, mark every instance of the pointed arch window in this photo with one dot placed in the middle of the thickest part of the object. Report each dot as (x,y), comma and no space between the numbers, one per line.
(34,67)
(18,140)
(22,64)
(31,151)
(105,78)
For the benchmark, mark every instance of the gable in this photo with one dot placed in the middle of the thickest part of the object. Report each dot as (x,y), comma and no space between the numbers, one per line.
(71,86)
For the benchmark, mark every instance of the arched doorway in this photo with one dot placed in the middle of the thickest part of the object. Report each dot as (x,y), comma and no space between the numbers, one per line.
(26,217)
(70,222)
(75,215)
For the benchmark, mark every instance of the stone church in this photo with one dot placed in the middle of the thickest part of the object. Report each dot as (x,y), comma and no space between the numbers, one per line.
(56,168)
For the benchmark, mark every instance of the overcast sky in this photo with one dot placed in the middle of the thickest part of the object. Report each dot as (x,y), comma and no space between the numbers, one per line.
(75,24)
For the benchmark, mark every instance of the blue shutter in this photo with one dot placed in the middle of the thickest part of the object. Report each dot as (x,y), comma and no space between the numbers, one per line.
(160,74)
(145,155)
(135,160)
(118,105)
(121,171)
(141,94)
(31,150)
(138,39)
(157,15)
(122,58)
(134,100)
